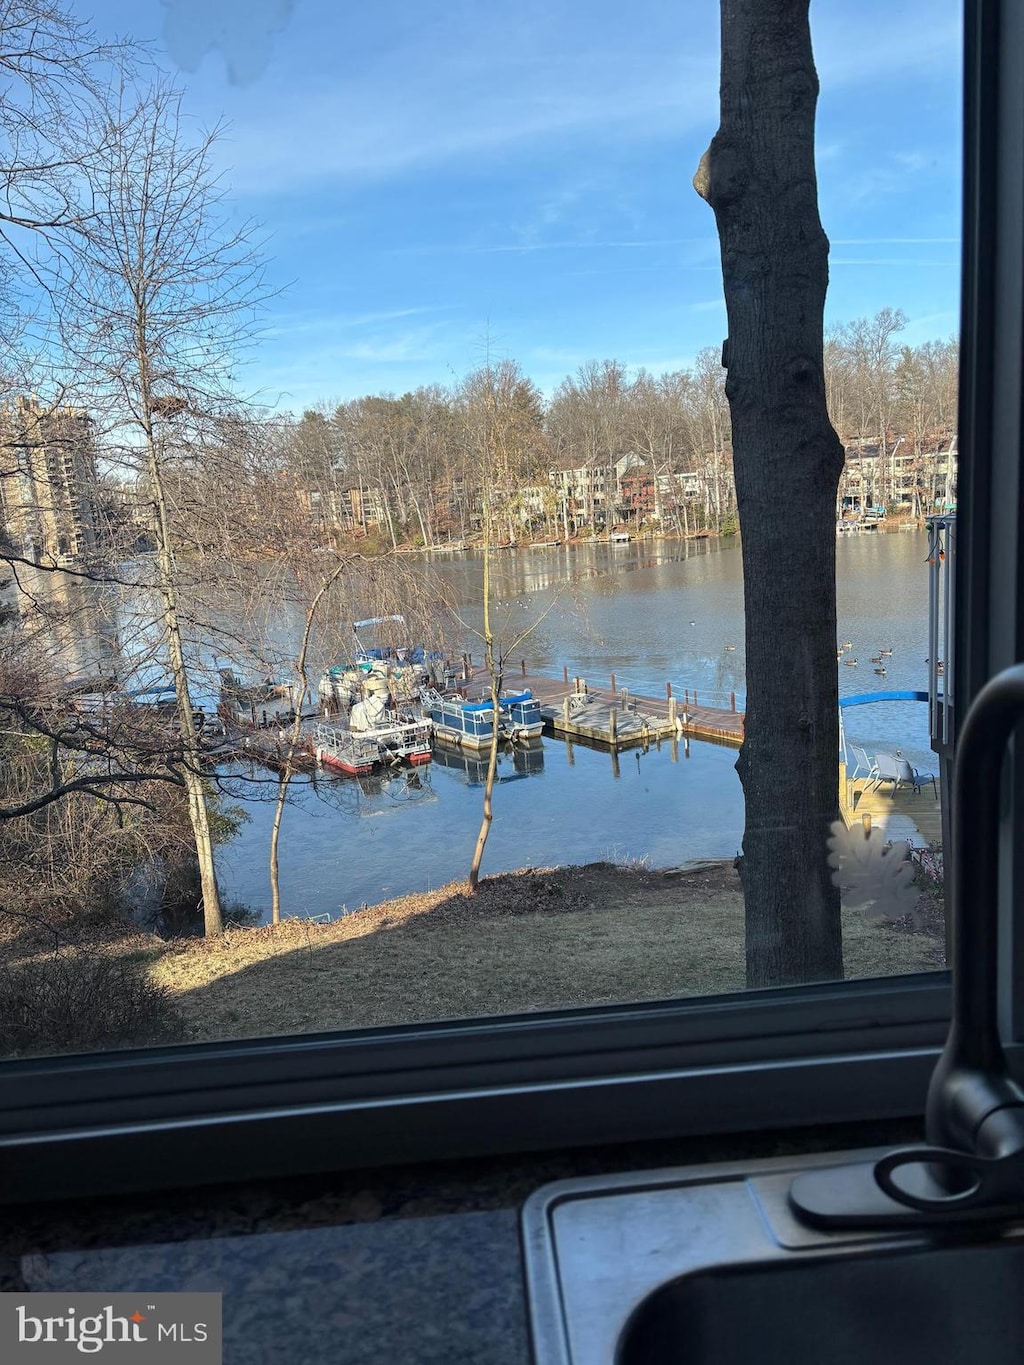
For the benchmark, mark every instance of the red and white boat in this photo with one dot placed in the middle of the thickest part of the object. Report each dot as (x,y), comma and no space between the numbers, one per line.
(359,752)
(344,751)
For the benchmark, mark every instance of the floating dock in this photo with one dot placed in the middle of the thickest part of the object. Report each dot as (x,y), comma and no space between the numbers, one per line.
(615,718)
(914,816)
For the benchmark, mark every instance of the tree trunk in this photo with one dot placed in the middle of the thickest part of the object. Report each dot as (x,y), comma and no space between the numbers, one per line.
(213,922)
(495,676)
(295,737)
(759,177)
(284,777)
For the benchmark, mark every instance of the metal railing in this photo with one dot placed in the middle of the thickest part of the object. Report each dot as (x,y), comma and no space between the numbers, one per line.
(941,623)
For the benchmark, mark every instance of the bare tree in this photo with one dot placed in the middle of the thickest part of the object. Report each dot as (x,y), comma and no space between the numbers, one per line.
(293,742)
(872,358)
(158,305)
(54,69)
(759,177)
(501,412)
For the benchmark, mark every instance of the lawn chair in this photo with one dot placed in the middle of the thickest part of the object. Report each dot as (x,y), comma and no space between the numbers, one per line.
(862,767)
(915,777)
(900,773)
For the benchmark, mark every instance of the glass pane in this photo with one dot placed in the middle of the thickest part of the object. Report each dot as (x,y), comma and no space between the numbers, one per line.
(475,548)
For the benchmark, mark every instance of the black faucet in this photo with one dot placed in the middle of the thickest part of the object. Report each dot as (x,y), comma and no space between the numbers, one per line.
(972,1167)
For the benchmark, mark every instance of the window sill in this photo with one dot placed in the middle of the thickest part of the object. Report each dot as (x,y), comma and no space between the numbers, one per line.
(165,1118)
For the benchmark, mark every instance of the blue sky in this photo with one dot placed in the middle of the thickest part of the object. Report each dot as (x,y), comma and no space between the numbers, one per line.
(436,179)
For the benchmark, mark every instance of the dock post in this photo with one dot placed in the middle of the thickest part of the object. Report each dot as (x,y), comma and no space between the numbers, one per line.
(613,725)
(732,700)
(695,696)
(522,665)
(565,710)
(671,710)
(613,684)
(687,697)
(668,691)
(565,673)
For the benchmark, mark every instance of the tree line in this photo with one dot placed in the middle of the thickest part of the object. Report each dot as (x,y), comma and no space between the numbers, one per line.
(408,468)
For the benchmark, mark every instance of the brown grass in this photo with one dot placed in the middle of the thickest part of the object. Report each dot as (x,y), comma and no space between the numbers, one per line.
(530,940)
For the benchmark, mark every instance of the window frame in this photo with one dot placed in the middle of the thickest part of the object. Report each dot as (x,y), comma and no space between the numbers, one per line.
(812,1055)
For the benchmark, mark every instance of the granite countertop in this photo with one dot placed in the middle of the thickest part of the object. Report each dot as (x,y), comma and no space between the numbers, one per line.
(414,1264)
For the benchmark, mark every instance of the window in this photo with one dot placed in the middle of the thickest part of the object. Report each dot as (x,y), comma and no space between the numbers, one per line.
(811,1053)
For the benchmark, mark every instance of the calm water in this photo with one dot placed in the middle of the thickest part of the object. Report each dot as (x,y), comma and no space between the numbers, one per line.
(649,616)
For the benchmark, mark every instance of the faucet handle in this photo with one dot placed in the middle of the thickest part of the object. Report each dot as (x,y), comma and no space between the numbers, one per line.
(937,1179)
(913,1187)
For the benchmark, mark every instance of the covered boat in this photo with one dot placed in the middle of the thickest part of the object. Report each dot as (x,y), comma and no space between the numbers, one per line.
(471,723)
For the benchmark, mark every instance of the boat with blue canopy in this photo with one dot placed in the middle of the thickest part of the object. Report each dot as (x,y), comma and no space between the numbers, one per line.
(471,723)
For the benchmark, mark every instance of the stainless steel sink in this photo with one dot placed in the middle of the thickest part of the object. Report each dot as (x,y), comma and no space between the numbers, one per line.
(707,1265)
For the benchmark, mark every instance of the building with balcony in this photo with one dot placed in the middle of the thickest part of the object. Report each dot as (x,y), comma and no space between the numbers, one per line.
(47,480)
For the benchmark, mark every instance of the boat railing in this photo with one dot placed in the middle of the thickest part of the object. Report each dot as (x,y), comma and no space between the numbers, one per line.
(401,730)
(431,699)
(335,741)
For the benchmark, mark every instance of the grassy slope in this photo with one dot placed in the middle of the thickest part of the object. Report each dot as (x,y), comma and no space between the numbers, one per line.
(529,941)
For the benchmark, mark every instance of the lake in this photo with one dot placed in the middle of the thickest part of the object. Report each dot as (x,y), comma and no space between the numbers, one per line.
(650,614)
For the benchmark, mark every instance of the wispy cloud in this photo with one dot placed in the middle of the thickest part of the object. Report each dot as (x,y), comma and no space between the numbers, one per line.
(419,344)
(313,324)
(473,92)
(516,149)
(339,137)
(918,37)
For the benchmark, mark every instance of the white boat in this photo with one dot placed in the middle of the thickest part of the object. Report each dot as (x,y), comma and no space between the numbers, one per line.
(394,671)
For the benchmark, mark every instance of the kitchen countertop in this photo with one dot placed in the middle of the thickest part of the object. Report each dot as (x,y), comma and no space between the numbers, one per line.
(412,1264)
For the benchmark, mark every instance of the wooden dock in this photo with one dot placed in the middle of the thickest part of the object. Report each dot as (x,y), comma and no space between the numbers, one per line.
(613,717)
(914,816)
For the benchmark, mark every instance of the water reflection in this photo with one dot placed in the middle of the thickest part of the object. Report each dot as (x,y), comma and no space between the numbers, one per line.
(514,762)
(669,615)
